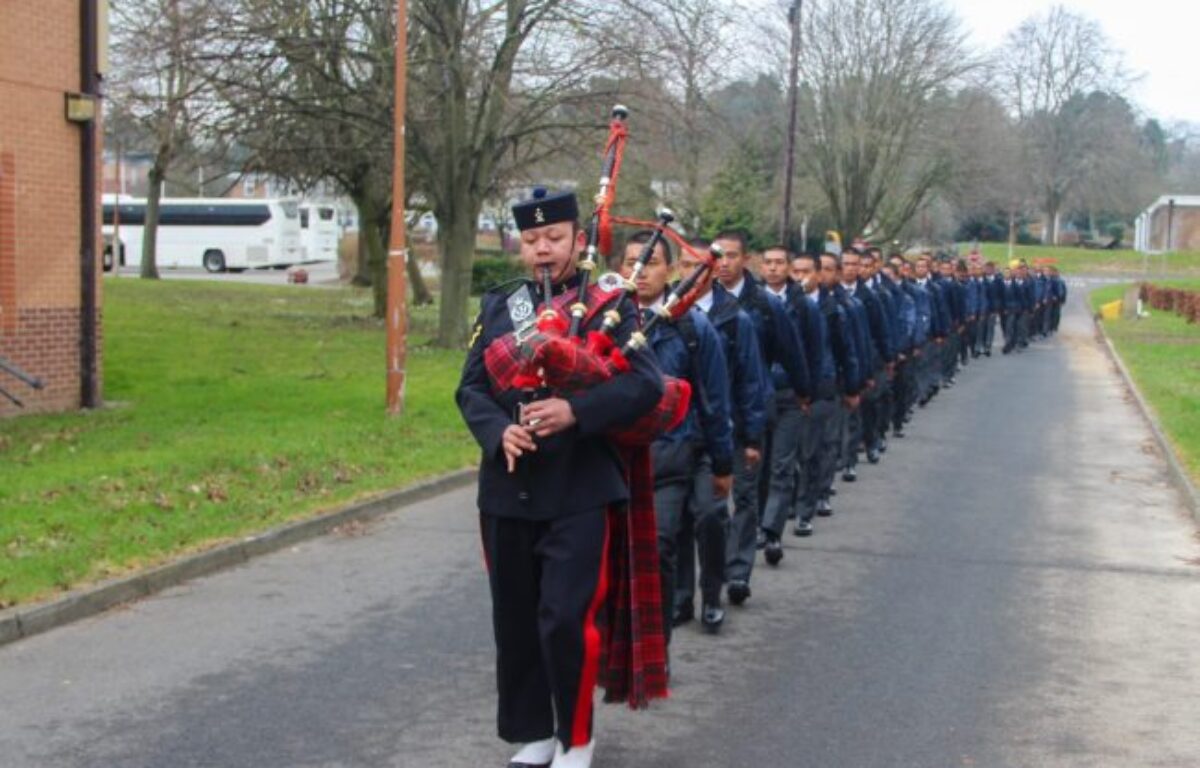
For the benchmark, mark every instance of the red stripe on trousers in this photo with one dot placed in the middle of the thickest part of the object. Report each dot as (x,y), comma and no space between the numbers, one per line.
(591,652)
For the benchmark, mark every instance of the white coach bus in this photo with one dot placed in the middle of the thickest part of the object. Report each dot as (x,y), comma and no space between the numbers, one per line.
(319,232)
(218,234)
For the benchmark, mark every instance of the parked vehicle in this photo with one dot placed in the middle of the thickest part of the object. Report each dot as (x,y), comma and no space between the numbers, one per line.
(319,231)
(218,234)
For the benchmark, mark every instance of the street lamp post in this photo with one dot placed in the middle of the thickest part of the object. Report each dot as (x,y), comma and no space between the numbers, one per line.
(397,299)
(785,226)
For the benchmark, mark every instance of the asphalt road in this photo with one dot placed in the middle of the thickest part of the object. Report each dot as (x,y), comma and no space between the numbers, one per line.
(1015,585)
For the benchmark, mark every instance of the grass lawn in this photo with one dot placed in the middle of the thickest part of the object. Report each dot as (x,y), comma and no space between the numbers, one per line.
(234,408)
(1163,354)
(1080,261)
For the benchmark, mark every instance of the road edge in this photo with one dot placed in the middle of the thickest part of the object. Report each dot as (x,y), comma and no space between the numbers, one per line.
(1175,469)
(25,621)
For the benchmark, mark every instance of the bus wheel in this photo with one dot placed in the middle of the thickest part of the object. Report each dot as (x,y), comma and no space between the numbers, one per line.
(214,261)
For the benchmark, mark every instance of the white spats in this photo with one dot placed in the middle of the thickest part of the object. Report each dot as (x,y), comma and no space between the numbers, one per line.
(536,753)
(577,757)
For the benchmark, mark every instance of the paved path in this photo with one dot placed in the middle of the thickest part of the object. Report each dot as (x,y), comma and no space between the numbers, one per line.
(1016,585)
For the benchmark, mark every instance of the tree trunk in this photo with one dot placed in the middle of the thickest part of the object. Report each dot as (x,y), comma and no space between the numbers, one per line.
(458,252)
(149,270)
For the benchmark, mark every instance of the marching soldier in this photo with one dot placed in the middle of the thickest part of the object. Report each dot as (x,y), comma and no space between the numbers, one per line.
(795,437)
(838,383)
(994,285)
(547,477)
(783,356)
(749,387)
(693,463)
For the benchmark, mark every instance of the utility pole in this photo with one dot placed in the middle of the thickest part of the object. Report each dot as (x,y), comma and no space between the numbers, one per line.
(397,300)
(785,226)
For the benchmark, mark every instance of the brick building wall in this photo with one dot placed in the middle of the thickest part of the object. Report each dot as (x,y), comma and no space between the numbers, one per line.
(40,155)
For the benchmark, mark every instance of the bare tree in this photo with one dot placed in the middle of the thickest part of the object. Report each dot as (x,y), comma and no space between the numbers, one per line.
(1050,64)
(875,73)
(694,45)
(491,84)
(161,83)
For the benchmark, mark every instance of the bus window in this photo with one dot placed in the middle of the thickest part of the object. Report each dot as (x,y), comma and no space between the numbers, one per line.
(326,214)
(303,218)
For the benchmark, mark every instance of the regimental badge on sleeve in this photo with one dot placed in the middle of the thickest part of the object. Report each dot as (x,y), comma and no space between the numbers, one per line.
(521,312)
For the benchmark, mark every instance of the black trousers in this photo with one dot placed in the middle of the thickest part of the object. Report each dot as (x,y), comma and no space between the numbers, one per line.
(548,582)
(684,499)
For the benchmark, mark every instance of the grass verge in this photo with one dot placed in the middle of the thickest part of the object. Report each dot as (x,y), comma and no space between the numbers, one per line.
(1162,352)
(1080,261)
(234,408)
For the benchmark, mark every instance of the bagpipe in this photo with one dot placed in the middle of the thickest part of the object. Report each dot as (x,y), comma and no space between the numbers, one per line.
(557,355)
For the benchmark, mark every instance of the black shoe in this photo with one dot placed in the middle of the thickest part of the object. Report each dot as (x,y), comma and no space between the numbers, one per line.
(803,528)
(683,614)
(898,432)
(832,492)
(883,445)
(824,508)
(850,475)
(515,764)
(739,591)
(873,455)
(712,617)
(987,353)
(773,552)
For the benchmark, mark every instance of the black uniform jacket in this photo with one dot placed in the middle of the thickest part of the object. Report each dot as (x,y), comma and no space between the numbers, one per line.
(575,470)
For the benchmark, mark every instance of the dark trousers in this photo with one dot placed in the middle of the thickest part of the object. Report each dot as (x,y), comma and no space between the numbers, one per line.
(685,499)
(966,341)
(742,542)
(818,452)
(547,580)
(1009,324)
(1055,316)
(987,332)
(786,446)
(950,355)
(829,453)
(903,390)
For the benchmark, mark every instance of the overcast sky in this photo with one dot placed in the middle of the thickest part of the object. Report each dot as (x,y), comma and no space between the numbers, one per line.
(1160,39)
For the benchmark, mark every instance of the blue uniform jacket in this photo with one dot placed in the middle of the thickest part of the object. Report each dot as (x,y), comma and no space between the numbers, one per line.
(906,315)
(922,309)
(1013,297)
(575,470)
(708,421)
(864,348)
(995,288)
(973,300)
(879,331)
(841,343)
(748,380)
(777,337)
(891,313)
(1028,295)
(814,335)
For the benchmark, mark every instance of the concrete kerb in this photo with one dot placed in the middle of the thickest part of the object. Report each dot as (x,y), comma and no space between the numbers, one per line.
(1175,469)
(25,621)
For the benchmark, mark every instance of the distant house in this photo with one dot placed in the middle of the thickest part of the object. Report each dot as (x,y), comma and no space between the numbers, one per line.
(1171,223)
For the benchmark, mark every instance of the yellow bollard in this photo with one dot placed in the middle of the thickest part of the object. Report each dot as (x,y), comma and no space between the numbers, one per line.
(1111,310)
